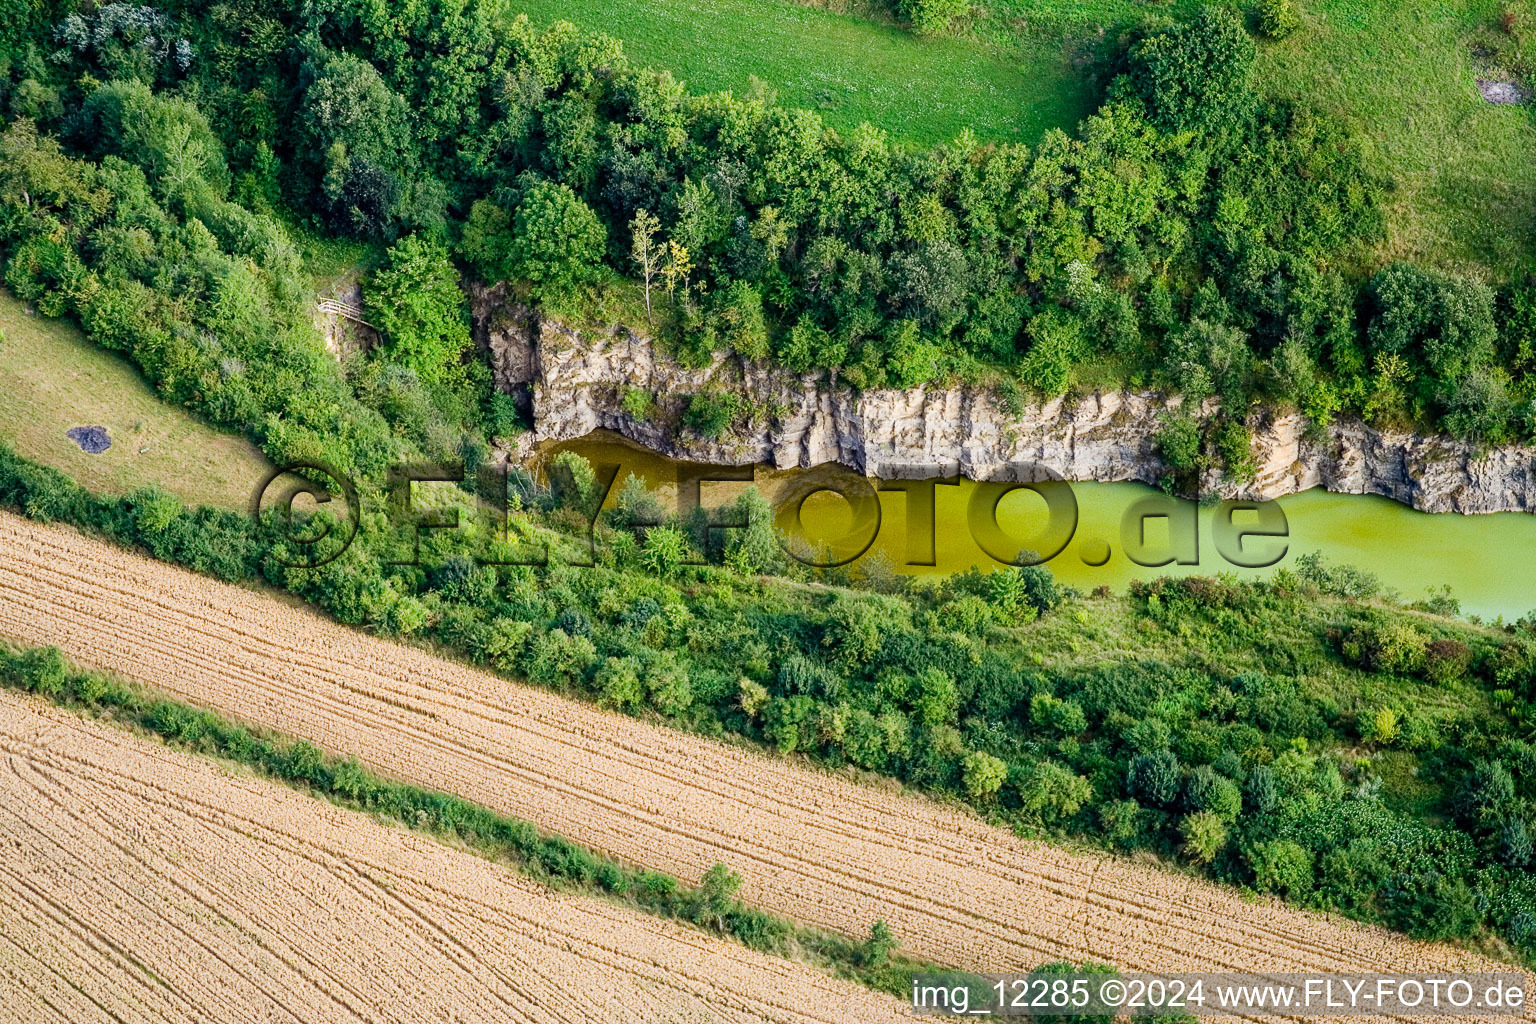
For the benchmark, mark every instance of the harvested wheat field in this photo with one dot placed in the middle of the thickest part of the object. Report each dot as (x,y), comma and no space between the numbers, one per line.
(142,884)
(811,846)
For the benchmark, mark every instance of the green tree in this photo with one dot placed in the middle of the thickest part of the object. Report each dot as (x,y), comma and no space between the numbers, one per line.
(359,132)
(668,685)
(645,250)
(852,633)
(41,670)
(1282,866)
(167,136)
(1440,327)
(1206,790)
(558,242)
(1050,791)
(1155,778)
(876,952)
(1056,345)
(415,302)
(1204,835)
(486,241)
(982,774)
(937,700)
(1196,76)
(714,896)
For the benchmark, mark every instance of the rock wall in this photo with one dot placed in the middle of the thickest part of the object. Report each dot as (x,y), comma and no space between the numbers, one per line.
(575,381)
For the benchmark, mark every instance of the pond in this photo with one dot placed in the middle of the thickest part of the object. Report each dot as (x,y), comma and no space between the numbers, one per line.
(1121,532)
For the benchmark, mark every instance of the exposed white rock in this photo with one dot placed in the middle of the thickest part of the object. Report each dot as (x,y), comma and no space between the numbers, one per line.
(577,381)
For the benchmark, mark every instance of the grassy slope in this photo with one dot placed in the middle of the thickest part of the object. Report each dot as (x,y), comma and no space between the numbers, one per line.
(1404,76)
(849,69)
(52,379)
(1400,73)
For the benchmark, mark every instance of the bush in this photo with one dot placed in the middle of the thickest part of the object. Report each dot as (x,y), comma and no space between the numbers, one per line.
(1204,836)
(1195,76)
(711,413)
(1155,778)
(932,17)
(558,242)
(1445,661)
(982,775)
(1278,18)
(1283,867)
(618,684)
(41,670)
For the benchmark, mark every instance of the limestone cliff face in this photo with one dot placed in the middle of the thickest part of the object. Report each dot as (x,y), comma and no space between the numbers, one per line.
(575,382)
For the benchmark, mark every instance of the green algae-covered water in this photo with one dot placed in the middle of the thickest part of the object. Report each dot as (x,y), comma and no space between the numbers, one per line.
(1488,561)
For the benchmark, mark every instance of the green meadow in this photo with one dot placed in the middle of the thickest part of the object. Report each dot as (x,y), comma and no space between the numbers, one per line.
(1403,75)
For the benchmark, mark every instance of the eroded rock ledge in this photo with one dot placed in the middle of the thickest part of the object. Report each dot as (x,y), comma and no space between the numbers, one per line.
(575,382)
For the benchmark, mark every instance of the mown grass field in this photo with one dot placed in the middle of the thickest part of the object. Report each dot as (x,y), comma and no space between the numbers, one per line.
(1403,75)
(849,69)
(52,379)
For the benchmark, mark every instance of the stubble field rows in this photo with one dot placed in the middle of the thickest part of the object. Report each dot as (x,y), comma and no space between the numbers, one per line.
(139,883)
(811,846)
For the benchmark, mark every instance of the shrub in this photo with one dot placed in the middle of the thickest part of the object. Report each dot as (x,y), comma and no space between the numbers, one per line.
(1195,76)
(1204,836)
(638,403)
(1487,795)
(1234,443)
(937,700)
(41,670)
(1155,778)
(1439,328)
(1383,727)
(1278,18)
(1445,661)
(982,774)
(558,659)
(1062,716)
(666,549)
(1398,646)
(711,413)
(1282,867)
(1434,905)
(618,684)
(557,241)
(932,17)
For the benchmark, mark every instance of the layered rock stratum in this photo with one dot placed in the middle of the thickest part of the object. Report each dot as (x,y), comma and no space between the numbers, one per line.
(575,380)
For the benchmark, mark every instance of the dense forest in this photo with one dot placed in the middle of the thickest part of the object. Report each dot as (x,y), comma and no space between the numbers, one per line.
(1191,234)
